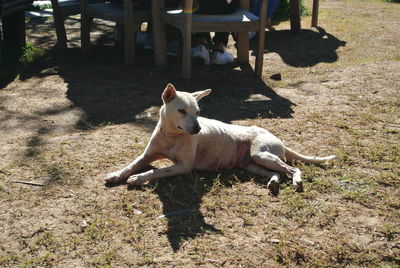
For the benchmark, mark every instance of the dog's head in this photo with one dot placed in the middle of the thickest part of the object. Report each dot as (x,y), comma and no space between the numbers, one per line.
(181,110)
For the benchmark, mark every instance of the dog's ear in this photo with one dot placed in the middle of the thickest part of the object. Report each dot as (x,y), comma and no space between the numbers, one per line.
(169,93)
(201,94)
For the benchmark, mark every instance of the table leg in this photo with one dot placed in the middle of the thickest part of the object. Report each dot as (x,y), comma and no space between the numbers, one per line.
(14,29)
(159,35)
(1,49)
(314,21)
(295,24)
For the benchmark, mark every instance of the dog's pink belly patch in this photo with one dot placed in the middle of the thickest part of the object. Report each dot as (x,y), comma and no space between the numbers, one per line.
(243,155)
(238,157)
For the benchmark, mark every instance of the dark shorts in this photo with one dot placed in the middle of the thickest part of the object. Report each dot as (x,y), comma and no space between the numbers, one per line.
(216,6)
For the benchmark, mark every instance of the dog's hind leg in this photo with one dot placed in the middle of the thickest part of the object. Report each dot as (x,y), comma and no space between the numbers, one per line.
(273,162)
(273,184)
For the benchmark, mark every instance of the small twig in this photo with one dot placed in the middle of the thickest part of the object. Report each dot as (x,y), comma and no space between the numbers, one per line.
(38,231)
(30,182)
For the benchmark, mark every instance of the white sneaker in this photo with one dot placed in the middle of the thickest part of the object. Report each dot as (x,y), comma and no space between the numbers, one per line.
(202,54)
(220,58)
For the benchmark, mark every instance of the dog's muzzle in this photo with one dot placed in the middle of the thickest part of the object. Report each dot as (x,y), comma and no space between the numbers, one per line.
(196,128)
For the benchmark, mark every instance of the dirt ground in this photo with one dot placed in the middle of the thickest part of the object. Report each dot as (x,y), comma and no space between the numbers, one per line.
(67,121)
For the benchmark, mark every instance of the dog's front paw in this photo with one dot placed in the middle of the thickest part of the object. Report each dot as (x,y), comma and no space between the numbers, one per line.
(136,179)
(114,177)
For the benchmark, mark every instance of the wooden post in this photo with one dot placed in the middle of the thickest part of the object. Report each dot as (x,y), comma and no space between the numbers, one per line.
(129,33)
(187,40)
(59,24)
(261,39)
(243,39)
(13,32)
(159,37)
(1,50)
(295,25)
(14,29)
(85,28)
(314,20)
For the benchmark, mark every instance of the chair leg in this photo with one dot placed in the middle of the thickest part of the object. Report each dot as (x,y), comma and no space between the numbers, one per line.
(261,39)
(85,34)
(129,34)
(187,54)
(295,23)
(129,44)
(1,55)
(260,54)
(59,21)
(243,40)
(314,20)
(60,31)
(159,36)
(160,45)
(243,47)
(1,50)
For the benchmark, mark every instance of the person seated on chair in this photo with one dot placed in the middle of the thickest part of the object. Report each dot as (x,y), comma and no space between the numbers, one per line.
(213,51)
(139,4)
(206,50)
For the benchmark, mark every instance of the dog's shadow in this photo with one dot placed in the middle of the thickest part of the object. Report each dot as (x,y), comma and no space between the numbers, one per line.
(182,198)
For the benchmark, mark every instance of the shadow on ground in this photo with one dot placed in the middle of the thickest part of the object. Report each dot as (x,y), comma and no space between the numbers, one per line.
(108,93)
(182,196)
(305,49)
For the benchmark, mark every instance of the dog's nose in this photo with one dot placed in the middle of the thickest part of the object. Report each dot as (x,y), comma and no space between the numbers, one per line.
(196,129)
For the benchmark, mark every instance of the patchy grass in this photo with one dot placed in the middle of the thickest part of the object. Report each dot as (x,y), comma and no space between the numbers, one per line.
(68,121)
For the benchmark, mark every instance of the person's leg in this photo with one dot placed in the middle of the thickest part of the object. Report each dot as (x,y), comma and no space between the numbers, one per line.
(227,8)
(219,55)
(202,38)
(147,3)
(204,7)
(200,48)
(211,7)
(201,41)
(208,7)
(221,38)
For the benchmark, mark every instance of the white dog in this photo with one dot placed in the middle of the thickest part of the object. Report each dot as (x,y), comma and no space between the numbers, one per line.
(194,142)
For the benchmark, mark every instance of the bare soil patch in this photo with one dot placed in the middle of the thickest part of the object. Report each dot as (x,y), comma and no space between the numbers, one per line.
(67,121)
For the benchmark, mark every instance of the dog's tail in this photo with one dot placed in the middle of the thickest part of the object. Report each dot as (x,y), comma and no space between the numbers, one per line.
(292,156)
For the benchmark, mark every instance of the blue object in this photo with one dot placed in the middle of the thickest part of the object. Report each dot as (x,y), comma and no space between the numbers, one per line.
(255,6)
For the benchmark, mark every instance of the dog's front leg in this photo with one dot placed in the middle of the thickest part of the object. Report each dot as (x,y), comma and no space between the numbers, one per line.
(174,170)
(141,162)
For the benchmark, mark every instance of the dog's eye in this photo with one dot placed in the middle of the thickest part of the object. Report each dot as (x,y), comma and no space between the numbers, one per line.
(182,111)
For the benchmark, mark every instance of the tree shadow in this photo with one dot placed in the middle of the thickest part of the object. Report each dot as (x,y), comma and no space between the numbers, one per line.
(109,93)
(304,49)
